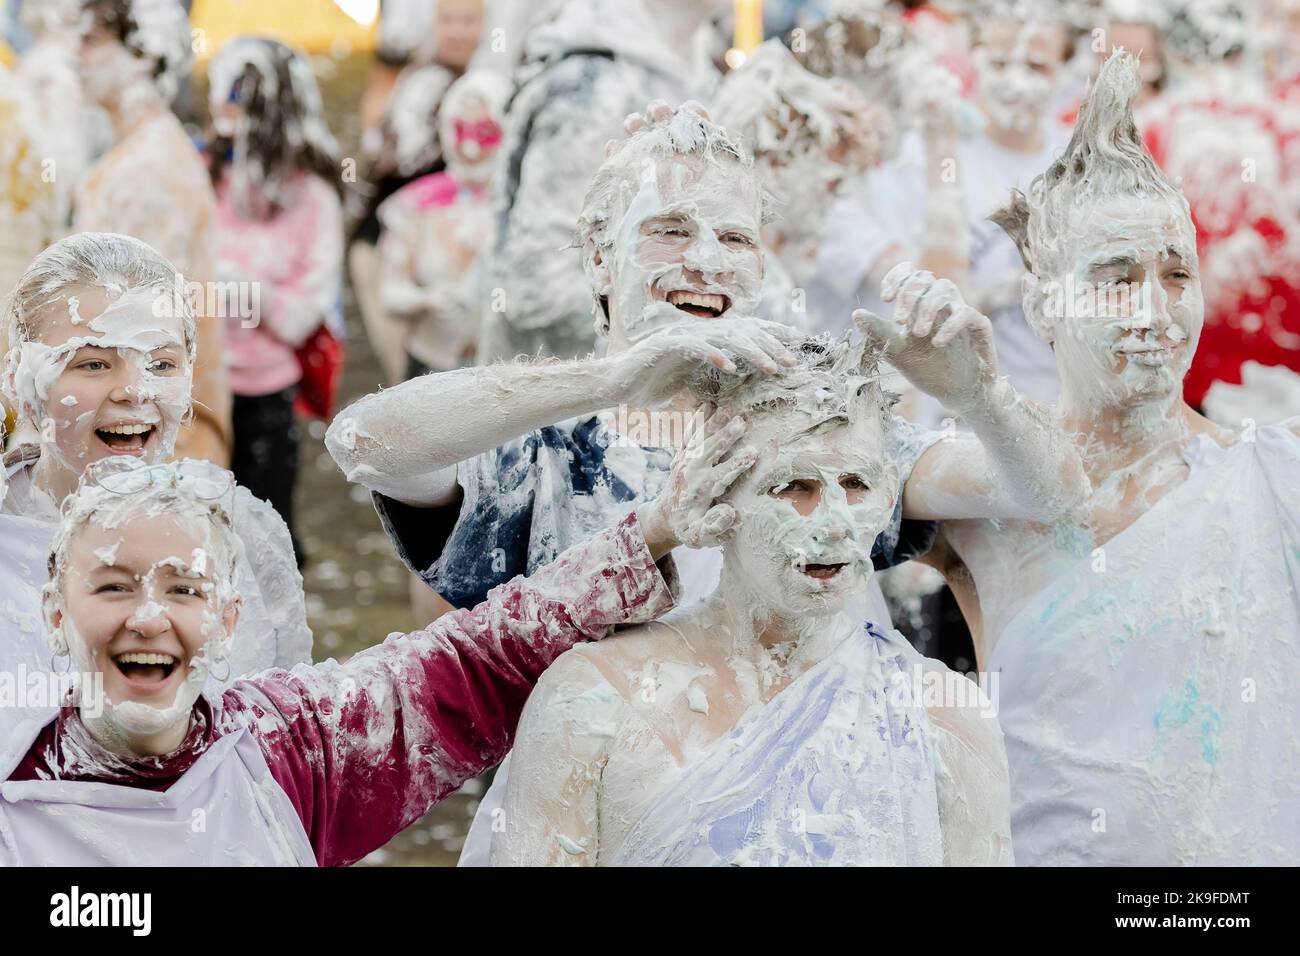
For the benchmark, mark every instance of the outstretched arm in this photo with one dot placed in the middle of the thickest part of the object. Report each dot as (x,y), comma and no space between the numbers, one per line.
(405,442)
(1020,464)
(363,749)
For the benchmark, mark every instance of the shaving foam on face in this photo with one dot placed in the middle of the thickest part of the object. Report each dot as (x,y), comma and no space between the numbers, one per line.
(123,721)
(688,232)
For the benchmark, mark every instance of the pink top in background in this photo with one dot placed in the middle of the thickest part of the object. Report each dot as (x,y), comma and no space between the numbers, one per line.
(289,272)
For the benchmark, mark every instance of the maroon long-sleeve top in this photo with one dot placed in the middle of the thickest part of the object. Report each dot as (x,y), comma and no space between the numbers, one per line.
(363,749)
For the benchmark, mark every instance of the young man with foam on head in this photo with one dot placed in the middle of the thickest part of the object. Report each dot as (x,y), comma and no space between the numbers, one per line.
(1147,651)
(482,473)
(807,134)
(583,66)
(765,725)
(316,766)
(516,456)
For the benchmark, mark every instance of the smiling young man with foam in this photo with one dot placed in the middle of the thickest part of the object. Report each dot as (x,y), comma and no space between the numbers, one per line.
(1147,655)
(482,473)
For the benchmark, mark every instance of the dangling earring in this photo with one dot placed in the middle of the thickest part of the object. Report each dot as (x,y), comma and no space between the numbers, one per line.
(226,676)
(54,657)
(188,418)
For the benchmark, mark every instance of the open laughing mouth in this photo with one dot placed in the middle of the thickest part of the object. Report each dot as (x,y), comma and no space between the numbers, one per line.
(145,671)
(702,305)
(126,439)
(823,572)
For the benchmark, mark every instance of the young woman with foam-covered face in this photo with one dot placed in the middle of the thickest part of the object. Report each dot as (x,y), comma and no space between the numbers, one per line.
(320,765)
(102,365)
(152,610)
(102,372)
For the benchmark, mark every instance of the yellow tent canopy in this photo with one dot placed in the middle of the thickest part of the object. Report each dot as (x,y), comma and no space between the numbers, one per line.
(317,26)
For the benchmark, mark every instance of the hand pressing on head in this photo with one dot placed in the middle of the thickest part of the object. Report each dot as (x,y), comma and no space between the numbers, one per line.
(663,363)
(688,511)
(942,345)
(656,111)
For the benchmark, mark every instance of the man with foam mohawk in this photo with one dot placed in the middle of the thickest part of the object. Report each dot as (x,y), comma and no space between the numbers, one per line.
(1148,654)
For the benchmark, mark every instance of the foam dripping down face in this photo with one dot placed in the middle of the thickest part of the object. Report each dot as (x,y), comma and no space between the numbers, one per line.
(810,512)
(142,604)
(686,248)
(103,376)
(1135,340)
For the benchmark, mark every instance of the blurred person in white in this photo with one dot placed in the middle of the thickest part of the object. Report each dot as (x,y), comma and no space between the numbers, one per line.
(584,69)
(108,374)
(401,143)
(153,184)
(1147,648)
(763,725)
(479,474)
(435,227)
(279,230)
(807,135)
(1228,135)
(930,204)
(72,131)
(430,248)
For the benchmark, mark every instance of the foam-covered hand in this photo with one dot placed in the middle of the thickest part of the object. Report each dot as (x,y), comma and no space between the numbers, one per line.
(943,346)
(688,511)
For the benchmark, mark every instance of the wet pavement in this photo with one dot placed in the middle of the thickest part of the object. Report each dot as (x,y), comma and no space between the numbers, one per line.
(357,590)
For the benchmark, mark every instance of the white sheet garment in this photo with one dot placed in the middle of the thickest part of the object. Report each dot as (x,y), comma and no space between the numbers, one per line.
(226,810)
(839,769)
(698,571)
(1149,696)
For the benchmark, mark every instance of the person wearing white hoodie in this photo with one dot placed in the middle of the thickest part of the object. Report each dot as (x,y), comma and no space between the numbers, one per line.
(583,70)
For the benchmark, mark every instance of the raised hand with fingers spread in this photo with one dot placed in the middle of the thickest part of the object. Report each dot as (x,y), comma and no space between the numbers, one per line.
(942,345)
(688,512)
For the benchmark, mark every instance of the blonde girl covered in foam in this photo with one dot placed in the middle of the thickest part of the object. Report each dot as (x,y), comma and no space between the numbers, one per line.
(102,361)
